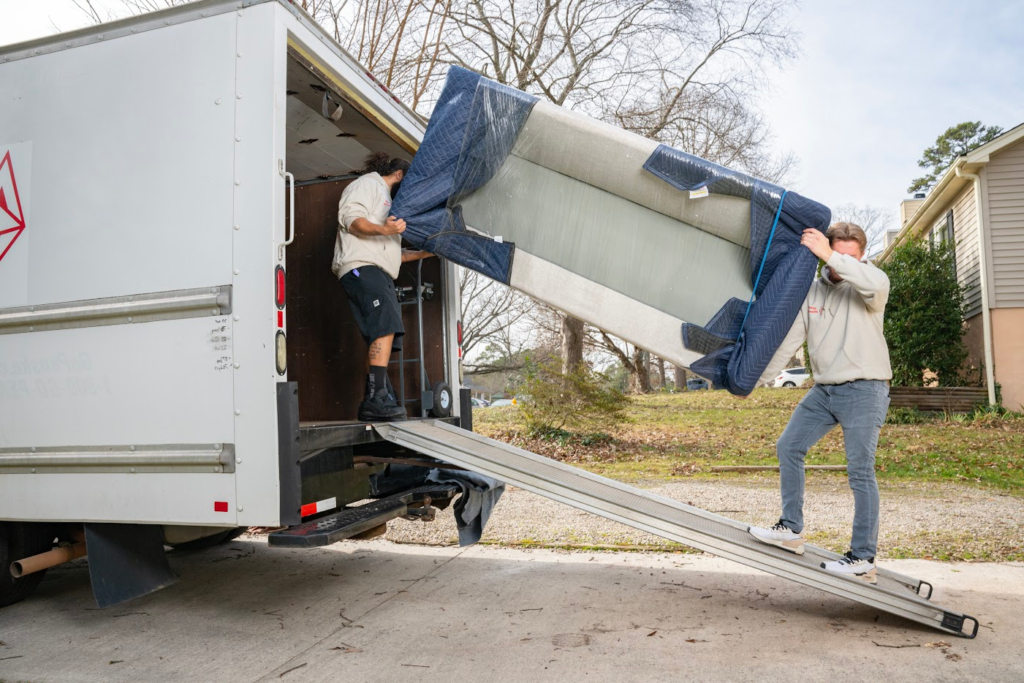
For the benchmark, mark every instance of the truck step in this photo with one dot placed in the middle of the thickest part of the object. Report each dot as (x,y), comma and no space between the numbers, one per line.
(354,521)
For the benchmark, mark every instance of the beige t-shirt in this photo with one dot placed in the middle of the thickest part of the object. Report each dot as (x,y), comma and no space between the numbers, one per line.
(366,197)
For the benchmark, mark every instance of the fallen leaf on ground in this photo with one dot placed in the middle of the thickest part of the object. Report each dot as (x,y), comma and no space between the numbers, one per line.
(940,643)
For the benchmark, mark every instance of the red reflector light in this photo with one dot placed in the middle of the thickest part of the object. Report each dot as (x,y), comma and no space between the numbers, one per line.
(458,327)
(220,506)
(280,319)
(279,287)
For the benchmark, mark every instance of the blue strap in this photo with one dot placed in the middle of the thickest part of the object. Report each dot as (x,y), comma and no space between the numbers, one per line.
(775,224)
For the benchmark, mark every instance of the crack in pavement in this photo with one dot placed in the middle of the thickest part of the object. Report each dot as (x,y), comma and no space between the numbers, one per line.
(348,622)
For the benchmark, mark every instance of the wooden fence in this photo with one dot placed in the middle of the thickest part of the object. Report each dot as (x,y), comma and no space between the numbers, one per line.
(938,399)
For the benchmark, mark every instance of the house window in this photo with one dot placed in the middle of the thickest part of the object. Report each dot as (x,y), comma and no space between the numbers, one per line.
(942,232)
(951,236)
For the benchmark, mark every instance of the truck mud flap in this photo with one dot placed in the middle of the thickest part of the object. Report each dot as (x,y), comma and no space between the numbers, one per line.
(126,561)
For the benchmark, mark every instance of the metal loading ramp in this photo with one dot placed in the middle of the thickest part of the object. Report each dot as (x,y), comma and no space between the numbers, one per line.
(894,593)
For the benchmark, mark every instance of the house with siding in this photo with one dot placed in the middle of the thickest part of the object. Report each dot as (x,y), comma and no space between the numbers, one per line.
(979,204)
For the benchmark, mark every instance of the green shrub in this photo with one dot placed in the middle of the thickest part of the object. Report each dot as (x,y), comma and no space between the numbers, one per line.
(907,416)
(582,400)
(924,317)
(982,415)
(993,415)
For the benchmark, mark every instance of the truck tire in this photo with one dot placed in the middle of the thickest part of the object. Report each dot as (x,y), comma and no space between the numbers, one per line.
(19,540)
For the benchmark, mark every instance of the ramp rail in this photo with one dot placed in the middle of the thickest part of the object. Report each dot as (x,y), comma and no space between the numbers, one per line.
(894,593)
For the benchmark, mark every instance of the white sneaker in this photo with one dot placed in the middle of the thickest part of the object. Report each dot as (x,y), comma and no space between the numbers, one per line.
(779,535)
(848,565)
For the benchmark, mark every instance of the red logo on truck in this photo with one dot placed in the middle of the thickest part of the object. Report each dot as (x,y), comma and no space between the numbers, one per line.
(12,219)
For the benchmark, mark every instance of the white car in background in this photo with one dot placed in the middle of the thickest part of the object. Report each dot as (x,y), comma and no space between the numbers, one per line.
(791,377)
(503,402)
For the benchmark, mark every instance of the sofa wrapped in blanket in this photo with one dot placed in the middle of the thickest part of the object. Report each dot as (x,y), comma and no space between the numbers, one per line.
(697,263)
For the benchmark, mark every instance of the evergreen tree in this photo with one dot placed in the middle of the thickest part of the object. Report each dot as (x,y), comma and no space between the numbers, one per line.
(957,141)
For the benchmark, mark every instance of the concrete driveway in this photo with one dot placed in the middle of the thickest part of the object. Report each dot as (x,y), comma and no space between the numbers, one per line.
(379,611)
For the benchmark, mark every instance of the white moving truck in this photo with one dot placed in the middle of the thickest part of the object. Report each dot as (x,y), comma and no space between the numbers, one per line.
(177,360)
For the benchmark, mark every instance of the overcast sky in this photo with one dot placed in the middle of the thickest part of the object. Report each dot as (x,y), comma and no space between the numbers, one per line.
(876,82)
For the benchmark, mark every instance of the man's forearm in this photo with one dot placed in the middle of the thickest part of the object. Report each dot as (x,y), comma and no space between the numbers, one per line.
(412,255)
(870,282)
(361,227)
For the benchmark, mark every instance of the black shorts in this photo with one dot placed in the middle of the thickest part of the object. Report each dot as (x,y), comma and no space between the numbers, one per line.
(371,294)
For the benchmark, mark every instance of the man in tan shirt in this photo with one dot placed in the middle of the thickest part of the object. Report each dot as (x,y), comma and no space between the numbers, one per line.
(367,256)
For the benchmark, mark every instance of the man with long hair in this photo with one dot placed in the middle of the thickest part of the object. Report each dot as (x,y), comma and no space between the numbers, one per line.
(367,256)
(841,321)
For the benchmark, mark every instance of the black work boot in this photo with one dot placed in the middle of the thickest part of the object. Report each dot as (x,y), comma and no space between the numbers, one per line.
(391,389)
(381,407)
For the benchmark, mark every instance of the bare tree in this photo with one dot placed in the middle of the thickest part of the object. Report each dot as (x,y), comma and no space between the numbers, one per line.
(89,10)
(681,72)
(680,376)
(573,332)
(634,359)
(490,313)
(401,41)
(126,7)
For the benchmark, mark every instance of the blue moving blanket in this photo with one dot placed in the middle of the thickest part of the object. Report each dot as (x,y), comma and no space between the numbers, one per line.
(473,508)
(477,126)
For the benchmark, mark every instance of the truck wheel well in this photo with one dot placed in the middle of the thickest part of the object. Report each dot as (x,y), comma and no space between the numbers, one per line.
(19,540)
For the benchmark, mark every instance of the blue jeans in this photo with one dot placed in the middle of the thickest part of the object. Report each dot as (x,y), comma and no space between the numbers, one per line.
(860,407)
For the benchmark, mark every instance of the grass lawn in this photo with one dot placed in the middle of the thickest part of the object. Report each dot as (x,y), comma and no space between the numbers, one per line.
(672,435)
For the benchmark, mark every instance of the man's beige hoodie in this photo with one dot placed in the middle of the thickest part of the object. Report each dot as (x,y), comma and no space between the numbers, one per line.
(842,324)
(366,197)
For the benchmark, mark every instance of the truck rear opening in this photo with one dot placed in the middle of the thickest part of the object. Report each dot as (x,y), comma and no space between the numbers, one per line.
(342,461)
(328,138)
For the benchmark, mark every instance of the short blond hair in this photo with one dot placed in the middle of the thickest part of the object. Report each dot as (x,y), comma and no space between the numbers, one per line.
(848,232)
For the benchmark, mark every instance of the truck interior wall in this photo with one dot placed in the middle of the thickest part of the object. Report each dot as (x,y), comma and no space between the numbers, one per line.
(326,353)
